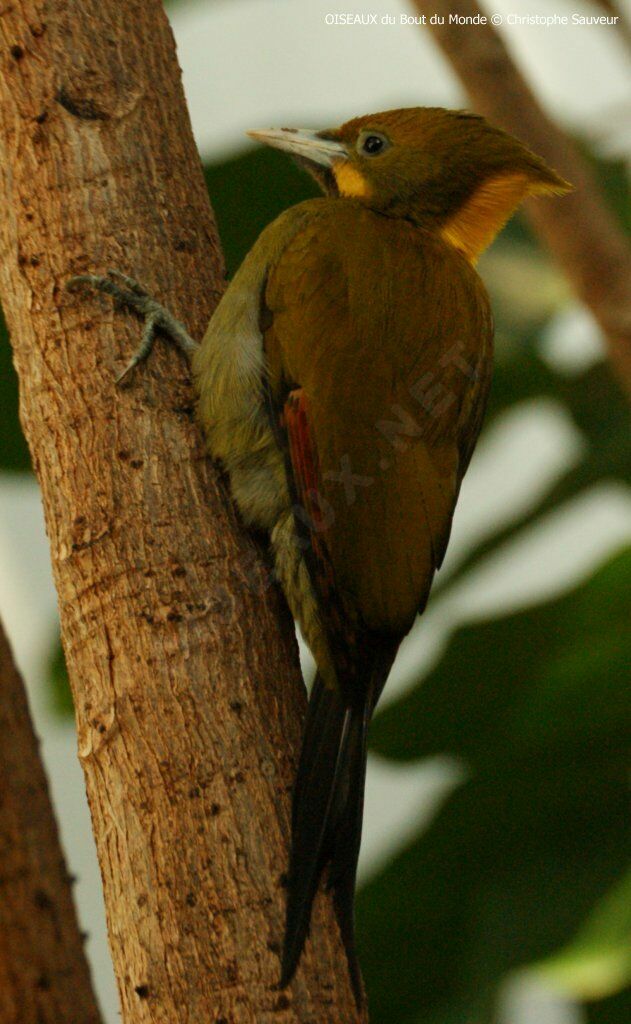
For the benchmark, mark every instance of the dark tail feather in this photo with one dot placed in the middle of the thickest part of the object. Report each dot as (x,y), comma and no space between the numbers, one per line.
(323,761)
(327,814)
(347,841)
(328,804)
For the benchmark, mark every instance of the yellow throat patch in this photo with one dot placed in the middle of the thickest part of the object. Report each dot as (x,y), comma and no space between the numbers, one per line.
(350,181)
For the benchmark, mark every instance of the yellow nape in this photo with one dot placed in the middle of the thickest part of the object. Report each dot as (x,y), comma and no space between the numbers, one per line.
(350,181)
(475,225)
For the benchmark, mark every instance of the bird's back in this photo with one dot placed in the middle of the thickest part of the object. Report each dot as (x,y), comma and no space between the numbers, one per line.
(387,332)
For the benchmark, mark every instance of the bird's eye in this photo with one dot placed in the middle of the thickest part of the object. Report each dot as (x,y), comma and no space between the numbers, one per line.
(372,143)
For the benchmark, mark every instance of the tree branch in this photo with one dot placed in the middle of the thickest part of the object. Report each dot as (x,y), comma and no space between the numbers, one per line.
(580,231)
(44,975)
(182,658)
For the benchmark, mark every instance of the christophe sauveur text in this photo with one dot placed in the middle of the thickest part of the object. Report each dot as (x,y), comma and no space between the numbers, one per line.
(549,20)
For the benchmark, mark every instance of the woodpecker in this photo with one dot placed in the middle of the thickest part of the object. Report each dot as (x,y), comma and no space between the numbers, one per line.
(342,382)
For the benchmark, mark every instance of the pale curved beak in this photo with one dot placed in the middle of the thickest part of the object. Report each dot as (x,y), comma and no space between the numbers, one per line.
(303,142)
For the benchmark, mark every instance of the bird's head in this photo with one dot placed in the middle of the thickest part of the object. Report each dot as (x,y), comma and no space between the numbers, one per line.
(445,170)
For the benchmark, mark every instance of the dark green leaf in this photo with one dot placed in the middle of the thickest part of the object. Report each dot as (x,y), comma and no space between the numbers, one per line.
(61,697)
(13,450)
(248,192)
(597,962)
(615,1010)
(555,675)
(537,703)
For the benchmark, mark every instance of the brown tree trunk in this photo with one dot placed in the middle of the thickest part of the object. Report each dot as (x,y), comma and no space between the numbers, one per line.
(182,658)
(579,230)
(44,975)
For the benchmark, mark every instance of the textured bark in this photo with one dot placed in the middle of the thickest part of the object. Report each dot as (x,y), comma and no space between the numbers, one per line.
(44,975)
(579,230)
(182,658)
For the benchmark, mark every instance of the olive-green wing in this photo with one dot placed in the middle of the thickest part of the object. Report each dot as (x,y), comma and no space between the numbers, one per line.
(387,335)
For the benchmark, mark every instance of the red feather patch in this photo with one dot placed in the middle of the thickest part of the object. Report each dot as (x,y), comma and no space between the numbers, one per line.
(314,518)
(313,514)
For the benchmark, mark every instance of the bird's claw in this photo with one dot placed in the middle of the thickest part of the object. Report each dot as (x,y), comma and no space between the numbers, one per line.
(131,295)
(129,282)
(144,349)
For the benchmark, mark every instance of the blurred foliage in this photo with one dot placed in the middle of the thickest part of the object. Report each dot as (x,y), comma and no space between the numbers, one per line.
(599,958)
(596,406)
(526,864)
(13,450)
(613,176)
(248,192)
(537,704)
(615,1010)
(59,684)
(526,682)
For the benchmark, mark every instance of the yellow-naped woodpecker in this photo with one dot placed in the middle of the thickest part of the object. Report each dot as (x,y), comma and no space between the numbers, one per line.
(342,383)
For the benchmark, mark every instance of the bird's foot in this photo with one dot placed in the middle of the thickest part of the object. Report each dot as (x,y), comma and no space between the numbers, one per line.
(132,296)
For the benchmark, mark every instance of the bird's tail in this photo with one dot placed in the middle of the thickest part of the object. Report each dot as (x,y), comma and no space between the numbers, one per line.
(327,813)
